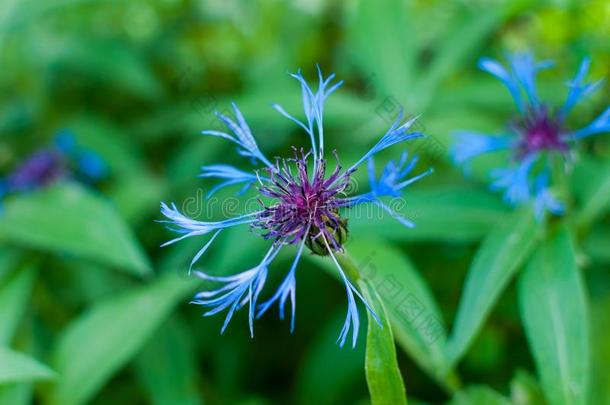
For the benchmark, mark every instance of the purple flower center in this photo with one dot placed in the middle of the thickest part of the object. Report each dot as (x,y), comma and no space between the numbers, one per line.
(305,207)
(40,169)
(540,130)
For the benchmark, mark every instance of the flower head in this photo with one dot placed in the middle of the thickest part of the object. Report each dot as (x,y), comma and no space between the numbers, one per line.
(300,203)
(62,159)
(538,133)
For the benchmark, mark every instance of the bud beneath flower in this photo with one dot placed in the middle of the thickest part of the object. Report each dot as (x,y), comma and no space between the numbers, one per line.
(315,241)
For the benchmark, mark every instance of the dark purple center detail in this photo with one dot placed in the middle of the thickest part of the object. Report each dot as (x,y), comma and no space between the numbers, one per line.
(306,207)
(40,169)
(540,130)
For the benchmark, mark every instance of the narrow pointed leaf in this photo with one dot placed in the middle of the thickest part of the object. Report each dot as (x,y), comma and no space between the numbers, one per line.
(502,253)
(119,326)
(18,367)
(555,316)
(383,376)
(67,219)
(596,197)
(416,320)
(14,294)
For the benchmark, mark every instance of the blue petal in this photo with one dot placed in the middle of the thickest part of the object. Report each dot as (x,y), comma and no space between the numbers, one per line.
(65,141)
(190,227)
(313,106)
(514,181)
(352,320)
(578,88)
(525,68)
(231,174)
(239,290)
(544,200)
(468,145)
(286,290)
(92,165)
(397,133)
(600,124)
(241,135)
(496,69)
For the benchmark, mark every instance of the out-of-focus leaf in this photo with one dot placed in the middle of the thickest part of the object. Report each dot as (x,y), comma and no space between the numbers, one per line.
(556,319)
(383,376)
(600,373)
(596,244)
(443,214)
(14,294)
(167,367)
(16,394)
(502,253)
(462,40)
(479,394)
(69,219)
(112,142)
(329,384)
(137,196)
(413,312)
(384,48)
(105,61)
(596,197)
(119,326)
(17,367)
(525,390)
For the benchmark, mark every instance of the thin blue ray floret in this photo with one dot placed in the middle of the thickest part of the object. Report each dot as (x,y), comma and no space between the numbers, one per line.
(242,135)
(300,202)
(535,137)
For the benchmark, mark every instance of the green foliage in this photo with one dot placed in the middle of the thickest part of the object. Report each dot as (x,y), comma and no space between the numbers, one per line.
(502,253)
(118,327)
(382,374)
(556,320)
(67,219)
(17,367)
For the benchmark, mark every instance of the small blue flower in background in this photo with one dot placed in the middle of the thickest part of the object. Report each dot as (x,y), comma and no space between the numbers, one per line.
(538,132)
(299,205)
(61,160)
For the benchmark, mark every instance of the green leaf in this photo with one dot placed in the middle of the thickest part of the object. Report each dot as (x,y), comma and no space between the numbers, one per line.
(384,47)
(525,390)
(67,218)
(414,314)
(596,196)
(382,373)
(479,395)
(600,384)
(116,328)
(329,385)
(17,367)
(443,214)
(14,295)
(16,394)
(167,366)
(463,40)
(596,244)
(502,253)
(555,315)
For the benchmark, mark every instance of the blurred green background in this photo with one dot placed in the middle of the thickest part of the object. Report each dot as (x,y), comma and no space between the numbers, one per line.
(85,287)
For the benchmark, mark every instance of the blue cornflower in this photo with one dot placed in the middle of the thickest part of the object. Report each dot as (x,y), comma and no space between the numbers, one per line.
(298,206)
(538,132)
(63,159)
